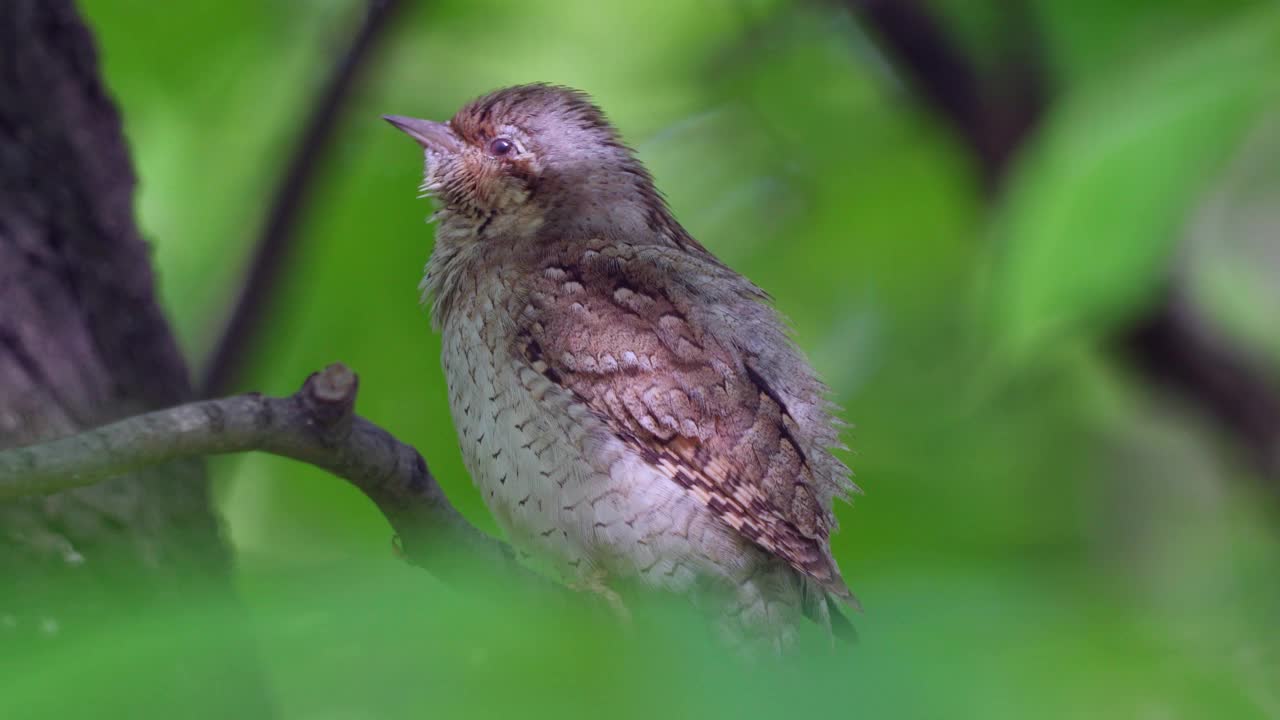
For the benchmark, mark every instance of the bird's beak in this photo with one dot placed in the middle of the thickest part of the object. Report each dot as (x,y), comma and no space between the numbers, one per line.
(429,134)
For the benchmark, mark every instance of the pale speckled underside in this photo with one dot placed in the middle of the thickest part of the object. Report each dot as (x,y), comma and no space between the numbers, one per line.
(563,384)
(564,488)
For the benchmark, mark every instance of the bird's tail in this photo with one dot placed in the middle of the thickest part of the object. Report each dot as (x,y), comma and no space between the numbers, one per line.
(823,608)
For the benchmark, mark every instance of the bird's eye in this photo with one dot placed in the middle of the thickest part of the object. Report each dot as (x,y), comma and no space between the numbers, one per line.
(501,146)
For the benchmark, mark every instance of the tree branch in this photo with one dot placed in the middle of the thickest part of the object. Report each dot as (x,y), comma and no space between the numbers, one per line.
(1181,351)
(991,118)
(316,425)
(272,247)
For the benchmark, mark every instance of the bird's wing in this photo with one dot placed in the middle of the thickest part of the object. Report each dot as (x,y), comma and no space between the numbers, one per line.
(685,361)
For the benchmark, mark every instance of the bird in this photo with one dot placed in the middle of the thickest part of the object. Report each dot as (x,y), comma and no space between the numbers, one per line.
(633,411)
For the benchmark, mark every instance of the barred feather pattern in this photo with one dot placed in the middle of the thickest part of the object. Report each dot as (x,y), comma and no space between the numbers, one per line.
(628,406)
(625,412)
(659,345)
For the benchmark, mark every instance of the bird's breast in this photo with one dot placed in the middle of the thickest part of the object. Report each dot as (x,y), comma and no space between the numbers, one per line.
(569,494)
(525,441)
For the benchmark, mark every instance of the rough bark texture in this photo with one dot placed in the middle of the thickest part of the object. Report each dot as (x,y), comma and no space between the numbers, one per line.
(82,342)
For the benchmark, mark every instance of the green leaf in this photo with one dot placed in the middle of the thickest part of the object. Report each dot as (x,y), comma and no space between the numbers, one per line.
(1085,232)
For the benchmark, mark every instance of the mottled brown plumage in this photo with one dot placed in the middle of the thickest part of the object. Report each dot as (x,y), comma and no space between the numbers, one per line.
(629,405)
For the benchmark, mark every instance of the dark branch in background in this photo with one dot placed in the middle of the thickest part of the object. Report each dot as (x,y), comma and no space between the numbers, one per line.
(994,117)
(1177,349)
(278,230)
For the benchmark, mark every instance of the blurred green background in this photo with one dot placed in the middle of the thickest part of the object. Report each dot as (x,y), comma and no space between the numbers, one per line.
(1045,532)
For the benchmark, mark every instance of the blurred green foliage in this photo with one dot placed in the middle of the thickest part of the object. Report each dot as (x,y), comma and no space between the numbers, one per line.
(1116,170)
(1041,535)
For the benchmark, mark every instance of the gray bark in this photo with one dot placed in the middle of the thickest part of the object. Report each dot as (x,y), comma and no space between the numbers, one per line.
(83,342)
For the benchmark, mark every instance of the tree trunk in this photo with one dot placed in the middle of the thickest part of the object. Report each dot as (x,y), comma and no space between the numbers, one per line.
(83,342)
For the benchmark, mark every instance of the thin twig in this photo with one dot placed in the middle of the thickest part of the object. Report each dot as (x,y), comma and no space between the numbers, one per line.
(316,425)
(278,231)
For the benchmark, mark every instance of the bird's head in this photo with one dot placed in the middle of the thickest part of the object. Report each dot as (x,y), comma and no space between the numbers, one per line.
(529,155)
